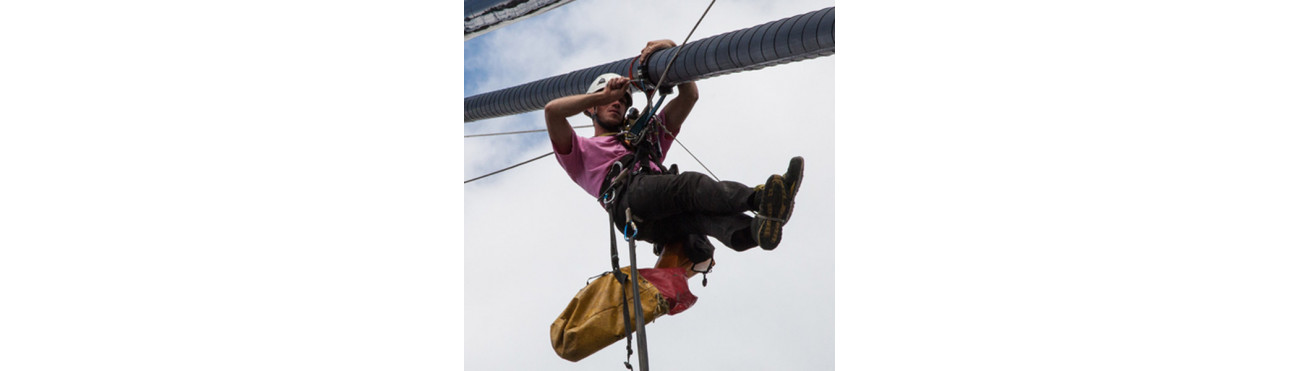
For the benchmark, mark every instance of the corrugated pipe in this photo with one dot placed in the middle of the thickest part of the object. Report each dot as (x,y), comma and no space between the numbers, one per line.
(483,16)
(800,37)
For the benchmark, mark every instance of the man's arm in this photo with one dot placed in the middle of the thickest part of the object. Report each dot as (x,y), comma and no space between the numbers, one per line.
(557,112)
(677,109)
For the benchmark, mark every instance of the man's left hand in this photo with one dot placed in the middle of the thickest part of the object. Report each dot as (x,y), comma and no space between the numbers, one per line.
(652,47)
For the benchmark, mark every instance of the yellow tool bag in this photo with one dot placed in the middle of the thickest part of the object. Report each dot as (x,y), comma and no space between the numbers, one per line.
(594,318)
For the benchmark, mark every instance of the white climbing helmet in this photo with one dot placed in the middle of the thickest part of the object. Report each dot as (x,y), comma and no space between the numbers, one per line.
(604,79)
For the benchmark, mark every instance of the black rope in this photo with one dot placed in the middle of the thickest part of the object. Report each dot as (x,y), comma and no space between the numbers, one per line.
(511,167)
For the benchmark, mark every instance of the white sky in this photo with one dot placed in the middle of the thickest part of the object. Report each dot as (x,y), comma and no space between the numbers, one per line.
(265,185)
(533,237)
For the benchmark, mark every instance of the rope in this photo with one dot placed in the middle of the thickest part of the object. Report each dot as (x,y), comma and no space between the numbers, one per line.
(665,74)
(511,167)
(520,132)
(622,282)
(643,357)
(679,50)
(688,150)
(697,160)
(706,168)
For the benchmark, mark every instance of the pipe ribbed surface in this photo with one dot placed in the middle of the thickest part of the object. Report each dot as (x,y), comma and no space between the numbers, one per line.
(483,16)
(800,37)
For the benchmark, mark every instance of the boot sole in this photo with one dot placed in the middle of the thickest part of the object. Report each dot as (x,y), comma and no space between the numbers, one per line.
(794,171)
(774,203)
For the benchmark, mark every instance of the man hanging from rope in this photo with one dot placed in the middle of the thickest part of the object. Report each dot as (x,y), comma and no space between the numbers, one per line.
(667,208)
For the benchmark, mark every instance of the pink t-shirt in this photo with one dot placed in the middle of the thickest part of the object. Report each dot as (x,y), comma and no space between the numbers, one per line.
(591,157)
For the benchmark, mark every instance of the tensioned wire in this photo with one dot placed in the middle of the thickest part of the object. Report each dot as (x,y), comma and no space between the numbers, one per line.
(679,144)
(519,132)
(511,167)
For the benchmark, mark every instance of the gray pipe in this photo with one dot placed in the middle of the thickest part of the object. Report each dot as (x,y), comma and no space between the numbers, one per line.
(793,39)
(483,16)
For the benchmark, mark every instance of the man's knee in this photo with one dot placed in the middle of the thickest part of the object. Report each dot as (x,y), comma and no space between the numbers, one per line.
(695,247)
(698,248)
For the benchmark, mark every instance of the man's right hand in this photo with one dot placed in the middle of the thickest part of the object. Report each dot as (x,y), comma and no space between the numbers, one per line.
(615,89)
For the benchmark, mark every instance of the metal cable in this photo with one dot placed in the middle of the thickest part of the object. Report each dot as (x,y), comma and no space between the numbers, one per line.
(511,167)
(520,132)
(688,151)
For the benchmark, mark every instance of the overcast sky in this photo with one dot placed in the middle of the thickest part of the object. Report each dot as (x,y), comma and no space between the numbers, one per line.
(272,185)
(533,237)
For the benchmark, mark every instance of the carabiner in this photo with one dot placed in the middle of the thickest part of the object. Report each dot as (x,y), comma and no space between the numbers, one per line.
(608,198)
(634,231)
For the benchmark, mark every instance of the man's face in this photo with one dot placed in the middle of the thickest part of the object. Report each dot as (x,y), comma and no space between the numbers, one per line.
(610,115)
